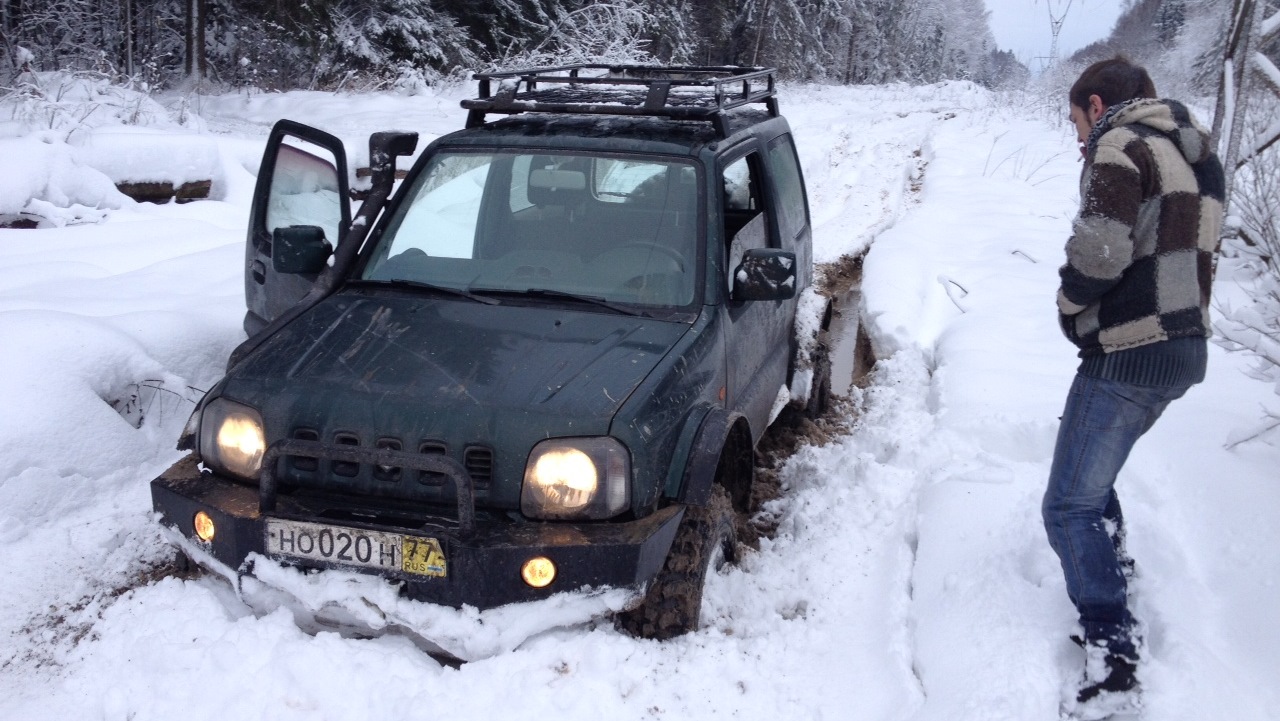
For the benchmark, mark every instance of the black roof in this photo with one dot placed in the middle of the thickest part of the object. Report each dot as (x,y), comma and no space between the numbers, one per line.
(607,133)
(680,92)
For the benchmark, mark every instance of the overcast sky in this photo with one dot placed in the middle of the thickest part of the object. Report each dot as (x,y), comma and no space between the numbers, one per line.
(1023,26)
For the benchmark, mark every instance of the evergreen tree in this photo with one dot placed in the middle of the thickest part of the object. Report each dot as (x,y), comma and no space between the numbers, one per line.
(671,32)
(280,44)
(401,38)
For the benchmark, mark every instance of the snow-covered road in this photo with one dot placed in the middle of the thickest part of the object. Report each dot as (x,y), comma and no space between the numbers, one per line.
(909,577)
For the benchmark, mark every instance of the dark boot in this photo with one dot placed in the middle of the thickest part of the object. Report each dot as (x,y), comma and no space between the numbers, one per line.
(1106,672)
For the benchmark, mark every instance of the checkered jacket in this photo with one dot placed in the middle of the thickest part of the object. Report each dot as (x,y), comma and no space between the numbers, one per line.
(1140,259)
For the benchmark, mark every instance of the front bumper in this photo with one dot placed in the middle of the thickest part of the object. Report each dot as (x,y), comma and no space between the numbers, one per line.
(483,562)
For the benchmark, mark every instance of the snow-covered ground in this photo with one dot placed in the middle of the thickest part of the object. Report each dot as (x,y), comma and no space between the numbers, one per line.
(909,577)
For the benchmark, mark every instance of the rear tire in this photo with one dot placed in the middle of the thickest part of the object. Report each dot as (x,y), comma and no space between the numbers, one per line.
(672,606)
(820,390)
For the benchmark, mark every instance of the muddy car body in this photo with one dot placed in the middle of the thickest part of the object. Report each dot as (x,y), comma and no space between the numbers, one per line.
(540,365)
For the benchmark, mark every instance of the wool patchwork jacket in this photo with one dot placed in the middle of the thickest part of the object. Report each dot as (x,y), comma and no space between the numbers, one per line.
(1140,259)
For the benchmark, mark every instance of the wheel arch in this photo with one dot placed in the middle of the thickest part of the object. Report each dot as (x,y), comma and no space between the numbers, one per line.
(723,454)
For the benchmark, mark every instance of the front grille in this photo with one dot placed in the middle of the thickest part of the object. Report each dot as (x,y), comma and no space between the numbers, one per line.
(478,460)
(436,448)
(302,463)
(341,468)
(388,474)
(345,477)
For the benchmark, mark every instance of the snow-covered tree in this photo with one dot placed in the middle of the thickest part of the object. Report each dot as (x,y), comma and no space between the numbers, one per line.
(406,40)
(333,43)
(1003,70)
(671,33)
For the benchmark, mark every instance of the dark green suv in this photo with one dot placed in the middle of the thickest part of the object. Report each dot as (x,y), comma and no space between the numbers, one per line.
(541,364)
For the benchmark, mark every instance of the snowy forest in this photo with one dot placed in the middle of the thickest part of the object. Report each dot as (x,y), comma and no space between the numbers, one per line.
(1181,40)
(370,44)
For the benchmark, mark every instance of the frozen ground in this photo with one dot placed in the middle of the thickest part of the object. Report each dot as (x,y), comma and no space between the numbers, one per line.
(909,577)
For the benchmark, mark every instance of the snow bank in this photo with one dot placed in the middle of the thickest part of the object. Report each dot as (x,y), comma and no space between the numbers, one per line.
(858,173)
(131,154)
(46,171)
(72,138)
(349,116)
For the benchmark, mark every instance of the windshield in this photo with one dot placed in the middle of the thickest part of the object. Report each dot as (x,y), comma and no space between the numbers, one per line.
(617,229)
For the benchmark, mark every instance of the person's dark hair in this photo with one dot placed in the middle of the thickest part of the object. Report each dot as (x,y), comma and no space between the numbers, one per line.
(1115,81)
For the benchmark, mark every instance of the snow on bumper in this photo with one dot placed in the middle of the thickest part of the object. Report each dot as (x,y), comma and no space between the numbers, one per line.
(483,568)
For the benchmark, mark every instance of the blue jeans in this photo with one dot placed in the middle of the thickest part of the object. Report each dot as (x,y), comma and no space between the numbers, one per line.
(1102,421)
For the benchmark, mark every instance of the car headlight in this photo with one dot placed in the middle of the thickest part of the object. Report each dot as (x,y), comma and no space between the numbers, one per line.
(232,439)
(576,478)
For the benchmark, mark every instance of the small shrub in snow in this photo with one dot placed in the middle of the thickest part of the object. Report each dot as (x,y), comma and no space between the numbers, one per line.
(1255,327)
(70,102)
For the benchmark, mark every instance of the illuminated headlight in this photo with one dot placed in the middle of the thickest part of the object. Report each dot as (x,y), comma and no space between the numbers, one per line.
(232,439)
(576,478)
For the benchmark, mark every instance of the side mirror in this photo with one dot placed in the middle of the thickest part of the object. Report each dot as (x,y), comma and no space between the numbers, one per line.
(765,274)
(300,249)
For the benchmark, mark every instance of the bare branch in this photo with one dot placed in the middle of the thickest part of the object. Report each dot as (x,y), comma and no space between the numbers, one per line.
(1262,430)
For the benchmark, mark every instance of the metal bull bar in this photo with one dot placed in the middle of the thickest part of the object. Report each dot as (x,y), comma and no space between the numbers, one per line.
(451,469)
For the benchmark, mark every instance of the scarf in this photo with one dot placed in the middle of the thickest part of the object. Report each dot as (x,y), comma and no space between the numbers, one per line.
(1104,124)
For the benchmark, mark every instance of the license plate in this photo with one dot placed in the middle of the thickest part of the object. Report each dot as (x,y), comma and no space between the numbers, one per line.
(356,547)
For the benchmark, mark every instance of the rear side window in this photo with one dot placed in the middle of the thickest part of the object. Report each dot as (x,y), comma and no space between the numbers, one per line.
(793,212)
(628,181)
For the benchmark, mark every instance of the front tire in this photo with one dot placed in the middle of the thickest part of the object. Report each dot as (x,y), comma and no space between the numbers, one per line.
(672,606)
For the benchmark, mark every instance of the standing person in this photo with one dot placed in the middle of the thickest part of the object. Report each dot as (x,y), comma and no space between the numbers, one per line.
(1134,298)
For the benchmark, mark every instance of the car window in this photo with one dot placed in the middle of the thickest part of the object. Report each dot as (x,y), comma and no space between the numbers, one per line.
(519,198)
(793,214)
(621,229)
(739,189)
(627,181)
(441,221)
(305,190)
(746,226)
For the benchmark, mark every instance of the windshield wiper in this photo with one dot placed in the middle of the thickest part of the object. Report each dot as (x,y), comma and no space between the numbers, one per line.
(548,293)
(447,290)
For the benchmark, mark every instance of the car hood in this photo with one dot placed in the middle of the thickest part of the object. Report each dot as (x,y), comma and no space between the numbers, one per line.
(448,371)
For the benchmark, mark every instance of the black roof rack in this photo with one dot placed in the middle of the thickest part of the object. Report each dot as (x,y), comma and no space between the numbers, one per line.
(682,92)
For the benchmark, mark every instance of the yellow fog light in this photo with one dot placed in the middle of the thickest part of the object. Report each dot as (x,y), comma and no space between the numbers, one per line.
(538,572)
(204,527)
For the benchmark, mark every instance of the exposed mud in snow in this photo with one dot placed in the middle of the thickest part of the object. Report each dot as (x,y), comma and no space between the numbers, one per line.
(51,633)
(792,430)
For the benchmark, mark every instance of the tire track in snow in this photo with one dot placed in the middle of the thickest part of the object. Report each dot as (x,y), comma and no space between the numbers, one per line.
(862,153)
(851,503)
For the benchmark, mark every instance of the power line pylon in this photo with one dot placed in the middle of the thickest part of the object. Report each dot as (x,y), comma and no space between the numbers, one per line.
(1055,24)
